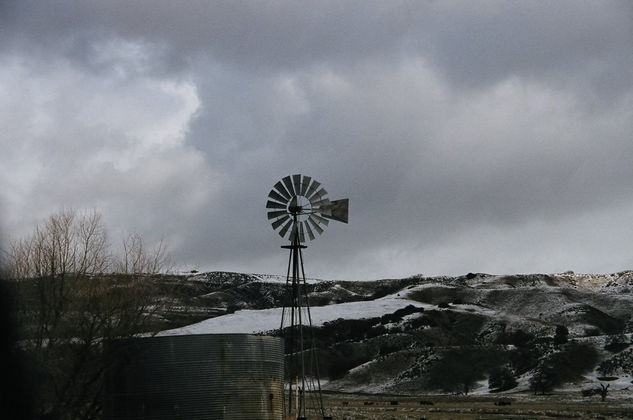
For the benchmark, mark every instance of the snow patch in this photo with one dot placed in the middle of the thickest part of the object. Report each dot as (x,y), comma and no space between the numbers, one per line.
(251,321)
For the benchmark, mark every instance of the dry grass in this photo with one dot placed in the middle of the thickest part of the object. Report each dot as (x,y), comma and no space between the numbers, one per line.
(560,407)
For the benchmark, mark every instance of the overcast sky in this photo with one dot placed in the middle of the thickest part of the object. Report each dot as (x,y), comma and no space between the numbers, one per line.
(469,136)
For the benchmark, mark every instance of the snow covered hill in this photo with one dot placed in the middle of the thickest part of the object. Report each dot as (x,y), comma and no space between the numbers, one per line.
(391,335)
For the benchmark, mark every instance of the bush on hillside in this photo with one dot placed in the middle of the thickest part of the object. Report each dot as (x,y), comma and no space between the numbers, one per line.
(501,379)
(616,343)
(564,366)
(561,335)
(621,362)
(460,368)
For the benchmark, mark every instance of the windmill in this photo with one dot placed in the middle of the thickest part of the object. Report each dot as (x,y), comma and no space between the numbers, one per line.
(298,208)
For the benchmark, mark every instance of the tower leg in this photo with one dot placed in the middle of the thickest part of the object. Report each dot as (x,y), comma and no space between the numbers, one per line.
(298,345)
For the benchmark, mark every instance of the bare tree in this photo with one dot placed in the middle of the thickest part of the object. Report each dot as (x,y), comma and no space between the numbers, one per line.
(69,302)
(603,391)
(136,259)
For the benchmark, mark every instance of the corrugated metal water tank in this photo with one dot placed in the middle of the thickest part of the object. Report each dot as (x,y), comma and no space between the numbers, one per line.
(208,376)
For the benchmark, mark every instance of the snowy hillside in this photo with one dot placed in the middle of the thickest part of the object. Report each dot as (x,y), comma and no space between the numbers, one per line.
(391,335)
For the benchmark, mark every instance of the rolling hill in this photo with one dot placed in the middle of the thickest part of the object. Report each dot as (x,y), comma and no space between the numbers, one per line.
(436,334)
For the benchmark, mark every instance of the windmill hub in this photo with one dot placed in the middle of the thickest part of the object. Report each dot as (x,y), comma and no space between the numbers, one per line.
(300,206)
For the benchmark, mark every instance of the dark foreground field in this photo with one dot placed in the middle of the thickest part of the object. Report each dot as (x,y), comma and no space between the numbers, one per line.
(525,406)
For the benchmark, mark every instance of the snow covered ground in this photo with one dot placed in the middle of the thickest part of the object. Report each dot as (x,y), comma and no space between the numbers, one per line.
(254,321)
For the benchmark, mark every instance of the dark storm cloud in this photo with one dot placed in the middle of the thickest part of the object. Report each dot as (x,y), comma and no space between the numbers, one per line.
(473,42)
(467,135)
(255,35)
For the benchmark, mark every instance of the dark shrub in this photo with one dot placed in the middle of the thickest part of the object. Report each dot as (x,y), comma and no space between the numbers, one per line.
(460,368)
(544,379)
(524,359)
(521,339)
(376,331)
(565,366)
(623,361)
(616,343)
(561,335)
(501,379)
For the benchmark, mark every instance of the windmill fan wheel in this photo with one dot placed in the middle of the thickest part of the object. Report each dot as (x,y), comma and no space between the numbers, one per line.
(298,207)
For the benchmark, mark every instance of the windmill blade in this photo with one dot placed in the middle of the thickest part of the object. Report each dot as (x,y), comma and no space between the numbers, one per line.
(280,221)
(296,182)
(318,195)
(311,189)
(293,203)
(284,229)
(274,205)
(288,183)
(320,219)
(274,214)
(294,232)
(276,196)
(304,184)
(316,206)
(320,203)
(282,190)
(315,225)
(309,230)
(302,237)
(335,210)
